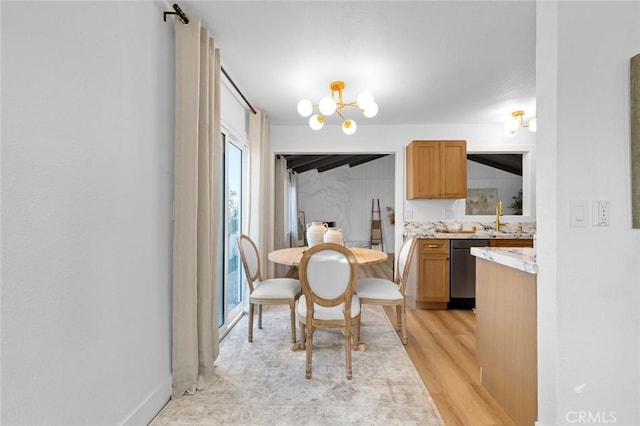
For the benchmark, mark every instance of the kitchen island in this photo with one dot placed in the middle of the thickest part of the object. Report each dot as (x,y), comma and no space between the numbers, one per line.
(506,328)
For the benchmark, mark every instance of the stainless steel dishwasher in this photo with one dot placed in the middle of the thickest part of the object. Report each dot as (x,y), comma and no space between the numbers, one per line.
(463,273)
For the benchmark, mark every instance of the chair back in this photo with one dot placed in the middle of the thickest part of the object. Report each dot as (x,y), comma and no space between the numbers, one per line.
(328,276)
(404,262)
(250,260)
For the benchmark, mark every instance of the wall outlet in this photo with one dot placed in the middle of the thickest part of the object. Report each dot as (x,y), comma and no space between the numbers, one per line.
(600,213)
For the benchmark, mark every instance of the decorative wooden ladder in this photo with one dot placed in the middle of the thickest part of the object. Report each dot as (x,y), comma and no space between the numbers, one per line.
(375,238)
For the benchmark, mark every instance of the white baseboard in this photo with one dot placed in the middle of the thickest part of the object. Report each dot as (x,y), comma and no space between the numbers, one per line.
(147,410)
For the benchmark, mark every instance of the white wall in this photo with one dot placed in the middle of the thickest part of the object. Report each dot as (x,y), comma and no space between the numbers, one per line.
(351,189)
(589,321)
(87,178)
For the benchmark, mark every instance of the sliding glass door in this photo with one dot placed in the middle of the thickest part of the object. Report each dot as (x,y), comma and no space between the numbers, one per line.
(232,290)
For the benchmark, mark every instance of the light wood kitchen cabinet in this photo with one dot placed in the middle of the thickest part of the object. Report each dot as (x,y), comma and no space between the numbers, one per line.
(432,287)
(436,169)
(512,242)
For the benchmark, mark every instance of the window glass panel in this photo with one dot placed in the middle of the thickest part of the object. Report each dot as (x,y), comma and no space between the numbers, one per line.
(232,277)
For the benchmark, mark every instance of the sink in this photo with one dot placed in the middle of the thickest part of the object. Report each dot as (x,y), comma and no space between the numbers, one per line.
(485,233)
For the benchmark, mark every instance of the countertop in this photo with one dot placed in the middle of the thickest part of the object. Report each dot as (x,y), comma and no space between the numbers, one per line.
(425,230)
(521,258)
(478,235)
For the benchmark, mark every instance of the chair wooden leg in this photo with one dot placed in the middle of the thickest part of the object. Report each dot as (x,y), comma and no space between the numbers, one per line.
(356,333)
(260,317)
(292,309)
(359,345)
(250,337)
(303,336)
(403,323)
(398,318)
(347,349)
(309,344)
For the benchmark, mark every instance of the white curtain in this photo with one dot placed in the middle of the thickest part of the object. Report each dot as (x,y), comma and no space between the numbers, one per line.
(260,190)
(296,238)
(198,209)
(281,215)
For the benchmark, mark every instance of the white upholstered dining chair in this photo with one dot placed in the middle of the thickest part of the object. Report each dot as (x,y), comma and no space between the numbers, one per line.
(274,291)
(380,291)
(328,275)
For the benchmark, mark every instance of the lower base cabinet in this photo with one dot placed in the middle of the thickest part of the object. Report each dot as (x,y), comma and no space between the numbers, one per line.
(431,270)
(432,287)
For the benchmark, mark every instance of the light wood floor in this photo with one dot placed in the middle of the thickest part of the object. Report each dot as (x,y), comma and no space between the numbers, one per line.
(442,346)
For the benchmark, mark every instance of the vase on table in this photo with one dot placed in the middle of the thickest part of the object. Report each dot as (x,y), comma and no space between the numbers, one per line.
(315,233)
(334,235)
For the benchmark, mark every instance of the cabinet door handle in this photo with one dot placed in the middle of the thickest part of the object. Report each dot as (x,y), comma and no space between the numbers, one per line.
(433,246)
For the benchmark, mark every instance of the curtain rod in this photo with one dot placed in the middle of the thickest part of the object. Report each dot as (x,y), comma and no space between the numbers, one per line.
(181,15)
(185,20)
(237,90)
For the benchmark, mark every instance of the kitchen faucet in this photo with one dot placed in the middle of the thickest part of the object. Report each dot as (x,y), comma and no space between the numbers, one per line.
(499,213)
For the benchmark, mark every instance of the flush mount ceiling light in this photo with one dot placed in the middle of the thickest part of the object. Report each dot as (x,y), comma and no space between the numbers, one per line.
(512,124)
(335,103)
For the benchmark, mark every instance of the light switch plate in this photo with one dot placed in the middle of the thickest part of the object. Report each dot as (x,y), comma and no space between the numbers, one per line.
(579,215)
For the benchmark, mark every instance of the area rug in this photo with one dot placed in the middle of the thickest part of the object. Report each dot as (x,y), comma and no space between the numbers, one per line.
(263,383)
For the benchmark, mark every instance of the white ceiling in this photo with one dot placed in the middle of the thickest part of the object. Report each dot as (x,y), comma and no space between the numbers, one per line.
(426,62)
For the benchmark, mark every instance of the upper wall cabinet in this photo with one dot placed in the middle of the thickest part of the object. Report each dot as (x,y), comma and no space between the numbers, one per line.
(437,169)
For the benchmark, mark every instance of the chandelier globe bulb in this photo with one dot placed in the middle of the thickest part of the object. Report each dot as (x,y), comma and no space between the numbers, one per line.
(305,108)
(327,106)
(365,99)
(349,127)
(316,122)
(371,111)
(511,127)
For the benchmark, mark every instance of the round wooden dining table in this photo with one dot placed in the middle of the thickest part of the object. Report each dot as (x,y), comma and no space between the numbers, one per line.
(292,256)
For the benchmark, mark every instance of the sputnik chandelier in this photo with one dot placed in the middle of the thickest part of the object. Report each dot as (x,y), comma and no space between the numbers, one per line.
(515,121)
(335,103)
